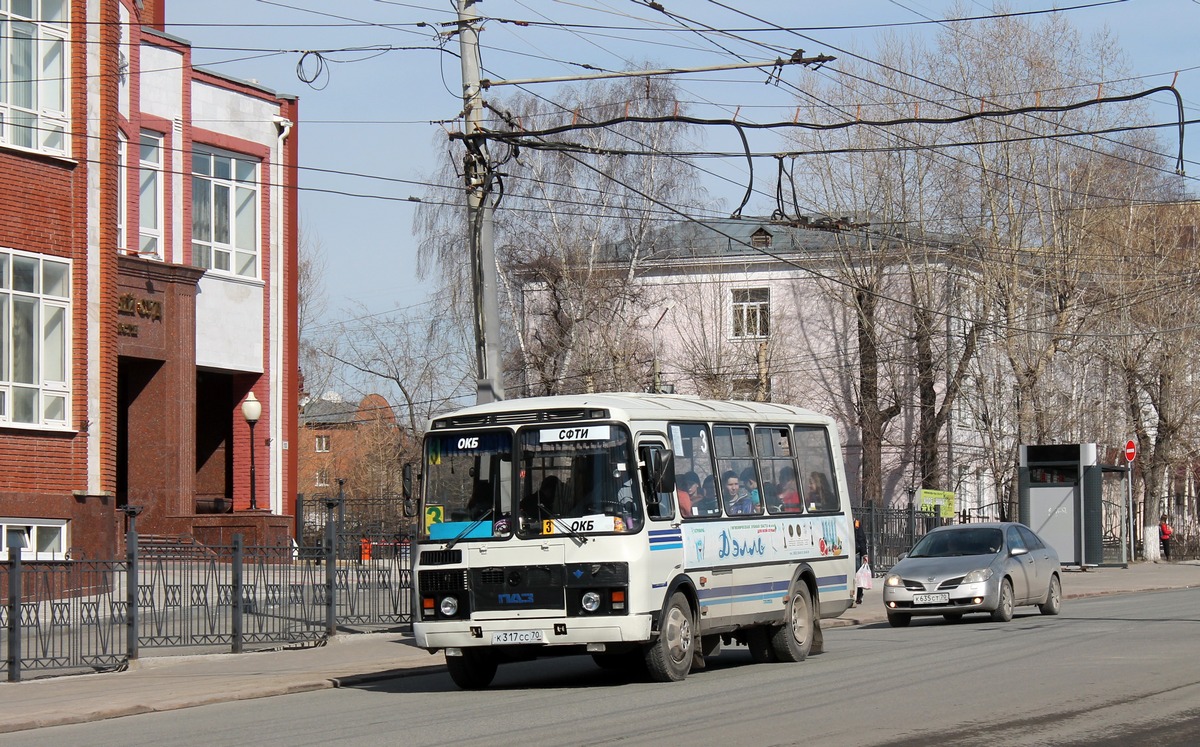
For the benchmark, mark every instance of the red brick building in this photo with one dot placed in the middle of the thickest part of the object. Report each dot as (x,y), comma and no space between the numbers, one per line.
(361,444)
(147,285)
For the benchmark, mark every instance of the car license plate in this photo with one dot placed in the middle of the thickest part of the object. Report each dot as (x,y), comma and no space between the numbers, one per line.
(518,636)
(931,598)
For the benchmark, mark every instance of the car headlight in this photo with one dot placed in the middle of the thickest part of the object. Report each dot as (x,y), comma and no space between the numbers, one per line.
(449,606)
(977,577)
(893,580)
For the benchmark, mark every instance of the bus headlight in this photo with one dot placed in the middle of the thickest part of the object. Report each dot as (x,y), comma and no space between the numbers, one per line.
(590,601)
(449,606)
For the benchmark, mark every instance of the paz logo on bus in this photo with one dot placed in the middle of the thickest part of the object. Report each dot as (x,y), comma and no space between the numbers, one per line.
(521,598)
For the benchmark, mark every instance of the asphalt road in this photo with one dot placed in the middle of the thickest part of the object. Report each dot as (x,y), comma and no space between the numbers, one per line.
(1110,670)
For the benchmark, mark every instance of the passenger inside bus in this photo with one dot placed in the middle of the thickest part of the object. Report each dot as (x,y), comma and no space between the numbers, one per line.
(789,495)
(687,493)
(481,501)
(708,504)
(748,499)
(819,492)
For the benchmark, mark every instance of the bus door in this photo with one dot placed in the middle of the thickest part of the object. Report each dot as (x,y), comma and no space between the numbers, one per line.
(663,533)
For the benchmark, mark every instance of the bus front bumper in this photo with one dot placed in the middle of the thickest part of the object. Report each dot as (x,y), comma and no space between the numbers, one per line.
(575,631)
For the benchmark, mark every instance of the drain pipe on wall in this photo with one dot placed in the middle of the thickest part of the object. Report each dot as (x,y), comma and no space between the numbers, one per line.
(277,317)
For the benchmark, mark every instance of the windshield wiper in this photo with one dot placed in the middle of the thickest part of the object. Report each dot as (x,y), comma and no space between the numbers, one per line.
(469,528)
(561,523)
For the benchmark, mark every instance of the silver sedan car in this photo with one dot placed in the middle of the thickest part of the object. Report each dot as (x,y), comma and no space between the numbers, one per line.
(957,570)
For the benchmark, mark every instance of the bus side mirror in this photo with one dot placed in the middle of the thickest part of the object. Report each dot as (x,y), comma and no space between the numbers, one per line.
(658,472)
(406,479)
(406,485)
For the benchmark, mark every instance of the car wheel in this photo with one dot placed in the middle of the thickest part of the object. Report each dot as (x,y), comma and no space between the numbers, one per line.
(474,670)
(953,617)
(1004,609)
(899,619)
(1053,602)
(793,639)
(670,657)
(758,640)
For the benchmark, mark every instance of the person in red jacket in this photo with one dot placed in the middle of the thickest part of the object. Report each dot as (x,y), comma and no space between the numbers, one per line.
(1164,536)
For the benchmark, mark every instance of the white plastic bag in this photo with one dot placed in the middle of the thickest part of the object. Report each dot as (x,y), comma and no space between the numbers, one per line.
(862,579)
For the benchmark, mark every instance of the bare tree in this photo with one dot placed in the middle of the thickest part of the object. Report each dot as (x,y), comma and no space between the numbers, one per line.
(573,226)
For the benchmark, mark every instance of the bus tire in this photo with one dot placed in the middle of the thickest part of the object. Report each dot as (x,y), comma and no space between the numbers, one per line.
(758,640)
(669,657)
(792,640)
(474,670)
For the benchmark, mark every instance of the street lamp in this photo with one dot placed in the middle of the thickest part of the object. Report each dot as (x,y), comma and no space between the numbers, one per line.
(252,411)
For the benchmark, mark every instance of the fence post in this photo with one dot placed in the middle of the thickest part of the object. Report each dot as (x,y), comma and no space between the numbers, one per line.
(331,535)
(14,614)
(131,582)
(238,592)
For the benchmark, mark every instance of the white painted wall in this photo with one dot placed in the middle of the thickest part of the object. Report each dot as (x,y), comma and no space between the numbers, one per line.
(229,324)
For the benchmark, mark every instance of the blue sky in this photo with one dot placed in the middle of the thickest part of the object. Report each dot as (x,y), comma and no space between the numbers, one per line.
(370,124)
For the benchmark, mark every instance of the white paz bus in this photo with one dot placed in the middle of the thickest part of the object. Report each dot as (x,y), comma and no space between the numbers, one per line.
(645,530)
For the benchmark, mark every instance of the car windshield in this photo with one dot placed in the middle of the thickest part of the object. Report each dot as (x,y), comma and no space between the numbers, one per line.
(954,542)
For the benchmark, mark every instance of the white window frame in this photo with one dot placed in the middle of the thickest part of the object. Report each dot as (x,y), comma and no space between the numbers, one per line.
(36,118)
(322,443)
(150,178)
(751,317)
(226,240)
(47,538)
(48,395)
(322,479)
(122,192)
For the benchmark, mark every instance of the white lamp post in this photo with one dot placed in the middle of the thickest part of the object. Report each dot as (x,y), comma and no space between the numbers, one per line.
(252,411)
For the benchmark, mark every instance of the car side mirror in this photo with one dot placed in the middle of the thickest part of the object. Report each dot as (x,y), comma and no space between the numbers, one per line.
(1019,551)
(903,555)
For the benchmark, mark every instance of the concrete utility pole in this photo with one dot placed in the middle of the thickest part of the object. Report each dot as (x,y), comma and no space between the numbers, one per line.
(490,383)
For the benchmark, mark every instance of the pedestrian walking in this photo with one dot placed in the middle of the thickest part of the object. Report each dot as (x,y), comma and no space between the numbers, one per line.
(862,579)
(860,543)
(1164,536)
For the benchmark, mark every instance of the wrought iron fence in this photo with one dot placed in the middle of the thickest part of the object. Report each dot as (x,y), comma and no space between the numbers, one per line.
(892,531)
(78,615)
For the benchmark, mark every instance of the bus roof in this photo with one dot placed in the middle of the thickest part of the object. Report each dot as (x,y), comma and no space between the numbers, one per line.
(628,405)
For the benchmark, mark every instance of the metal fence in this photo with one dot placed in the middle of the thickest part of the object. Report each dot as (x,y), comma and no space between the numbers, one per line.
(79,615)
(892,531)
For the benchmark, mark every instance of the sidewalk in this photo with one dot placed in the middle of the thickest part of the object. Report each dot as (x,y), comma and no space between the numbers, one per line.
(168,683)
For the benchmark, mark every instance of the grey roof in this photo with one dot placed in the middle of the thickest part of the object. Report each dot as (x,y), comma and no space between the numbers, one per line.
(328,412)
(733,237)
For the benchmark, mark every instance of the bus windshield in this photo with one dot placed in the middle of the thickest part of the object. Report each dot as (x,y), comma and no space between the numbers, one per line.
(577,480)
(468,485)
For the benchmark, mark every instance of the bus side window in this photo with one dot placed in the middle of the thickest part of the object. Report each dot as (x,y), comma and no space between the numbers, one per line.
(816,459)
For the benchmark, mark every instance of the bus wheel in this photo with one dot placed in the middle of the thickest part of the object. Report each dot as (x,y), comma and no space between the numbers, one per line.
(758,640)
(670,657)
(793,639)
(474,670)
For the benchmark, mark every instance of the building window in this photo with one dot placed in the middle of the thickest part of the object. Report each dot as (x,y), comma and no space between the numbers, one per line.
(323,443)
(122,188)
(35,313)
(225,213)
(33,90)
(41,539)
(150,195)
(761,239)
(751,312)
(322,478)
